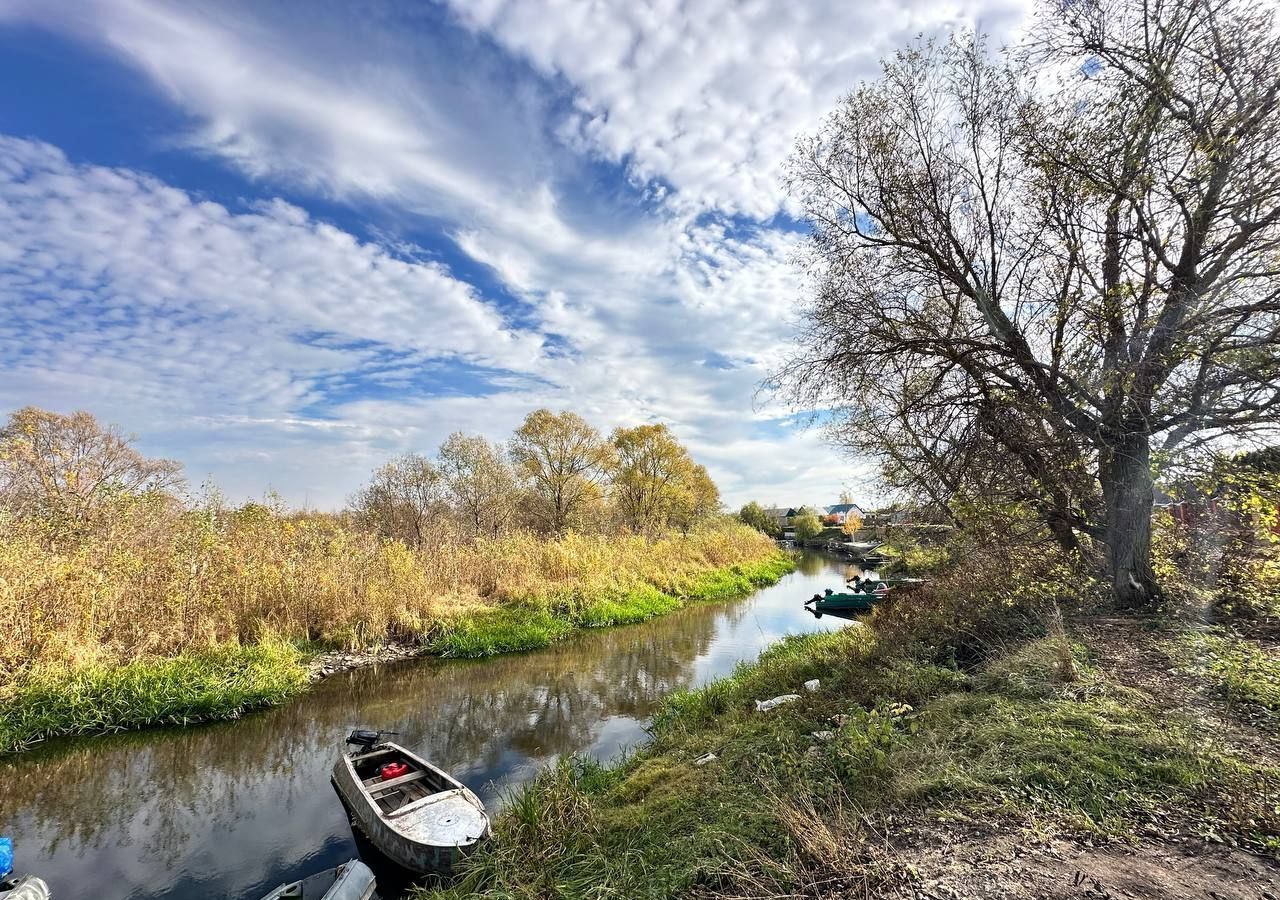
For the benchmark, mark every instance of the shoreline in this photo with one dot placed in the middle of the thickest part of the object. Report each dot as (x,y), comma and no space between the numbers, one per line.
(224,683)
(799,798)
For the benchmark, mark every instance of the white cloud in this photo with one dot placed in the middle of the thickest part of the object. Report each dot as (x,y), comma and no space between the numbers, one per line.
(123,295)
(709,96)
(185,320)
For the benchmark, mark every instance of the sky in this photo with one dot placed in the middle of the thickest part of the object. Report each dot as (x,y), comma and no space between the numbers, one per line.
(282,242)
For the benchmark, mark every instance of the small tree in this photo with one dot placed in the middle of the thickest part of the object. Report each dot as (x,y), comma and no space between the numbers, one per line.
(563,462)
(403,500)
(71,468)
(852,522)
(753,514)
(699,500)
(482,487)
(807,525)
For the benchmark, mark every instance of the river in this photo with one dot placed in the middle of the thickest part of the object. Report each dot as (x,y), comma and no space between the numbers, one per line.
(230,810)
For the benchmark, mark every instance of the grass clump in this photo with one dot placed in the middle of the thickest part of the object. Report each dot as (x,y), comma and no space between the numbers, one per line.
(1244,671)
(506,629)
(215,683)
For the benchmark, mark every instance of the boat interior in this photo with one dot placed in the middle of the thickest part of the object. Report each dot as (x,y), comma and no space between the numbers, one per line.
(392,793)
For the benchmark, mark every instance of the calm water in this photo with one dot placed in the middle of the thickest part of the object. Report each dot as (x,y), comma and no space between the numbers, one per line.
(233,809)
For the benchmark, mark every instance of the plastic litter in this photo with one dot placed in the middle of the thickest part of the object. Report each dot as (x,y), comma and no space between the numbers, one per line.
(766,705)
(812,685)
(6,856)
(705,758)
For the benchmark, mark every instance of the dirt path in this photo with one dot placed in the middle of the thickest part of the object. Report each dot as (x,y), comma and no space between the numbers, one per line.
(959,863)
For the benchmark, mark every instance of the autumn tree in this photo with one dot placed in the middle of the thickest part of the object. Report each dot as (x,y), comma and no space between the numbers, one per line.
(656,484)
(404,500)
(700,501)
(70,468)
(1032,271)
(852,523)
(481,485)
(563,462)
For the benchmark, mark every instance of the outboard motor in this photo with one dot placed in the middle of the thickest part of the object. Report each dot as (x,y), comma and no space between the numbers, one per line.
(366,739)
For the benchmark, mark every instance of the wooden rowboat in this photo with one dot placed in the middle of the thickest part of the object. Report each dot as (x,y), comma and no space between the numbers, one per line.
(422,818)
(350,881)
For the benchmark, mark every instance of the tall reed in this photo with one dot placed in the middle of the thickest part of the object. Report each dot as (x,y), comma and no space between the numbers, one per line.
(157,581)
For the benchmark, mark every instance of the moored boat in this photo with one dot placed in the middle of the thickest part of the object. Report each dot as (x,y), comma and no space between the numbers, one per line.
(844,602)
(417,815)
(350,881)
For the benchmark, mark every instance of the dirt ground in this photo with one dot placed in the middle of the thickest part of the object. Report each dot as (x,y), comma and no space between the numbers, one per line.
(991,862)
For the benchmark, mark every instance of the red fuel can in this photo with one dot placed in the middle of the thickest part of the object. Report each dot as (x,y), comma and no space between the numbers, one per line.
(393,770)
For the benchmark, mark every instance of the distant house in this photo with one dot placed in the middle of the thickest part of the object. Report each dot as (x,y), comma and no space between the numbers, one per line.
(841,512)
(781,515)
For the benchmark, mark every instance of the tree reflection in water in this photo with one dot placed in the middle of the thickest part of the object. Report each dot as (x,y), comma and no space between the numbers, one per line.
(231,809)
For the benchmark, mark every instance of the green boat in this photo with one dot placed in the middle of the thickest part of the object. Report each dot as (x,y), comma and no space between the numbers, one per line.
(844,602)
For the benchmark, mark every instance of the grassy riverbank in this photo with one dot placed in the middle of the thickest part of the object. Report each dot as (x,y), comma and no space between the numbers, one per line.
(193,632)
(198,686)
(935,725)
(540,621)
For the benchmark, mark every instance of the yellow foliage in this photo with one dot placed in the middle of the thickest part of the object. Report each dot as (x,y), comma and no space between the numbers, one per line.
(159,581)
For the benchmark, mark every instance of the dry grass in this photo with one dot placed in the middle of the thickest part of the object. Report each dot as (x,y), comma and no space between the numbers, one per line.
(159,581)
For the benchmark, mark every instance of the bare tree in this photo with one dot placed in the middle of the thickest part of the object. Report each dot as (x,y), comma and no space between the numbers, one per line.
(1029,273)
(403,500)
(71,467)
(481,484)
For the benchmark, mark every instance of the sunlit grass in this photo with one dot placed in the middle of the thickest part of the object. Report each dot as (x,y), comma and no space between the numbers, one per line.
(1244,671)
(161,583)
(169,616)
(527,626)
(215,683)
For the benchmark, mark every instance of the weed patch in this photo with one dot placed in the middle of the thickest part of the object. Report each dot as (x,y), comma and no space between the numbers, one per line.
(1243,670)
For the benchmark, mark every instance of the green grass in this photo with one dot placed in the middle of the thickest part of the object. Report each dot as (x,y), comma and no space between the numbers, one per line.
(219,683)
(1243,670)
(531,626)
(779,811)
(506,629)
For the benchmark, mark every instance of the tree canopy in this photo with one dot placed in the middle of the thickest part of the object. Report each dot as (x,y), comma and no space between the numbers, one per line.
(563,461)
(656,484)
(1033,270)
(69,467)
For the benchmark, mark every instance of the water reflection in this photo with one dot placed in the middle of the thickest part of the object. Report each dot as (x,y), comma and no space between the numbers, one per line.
(232,809)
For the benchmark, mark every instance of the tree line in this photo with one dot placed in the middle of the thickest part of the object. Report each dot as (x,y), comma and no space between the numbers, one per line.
(556,473)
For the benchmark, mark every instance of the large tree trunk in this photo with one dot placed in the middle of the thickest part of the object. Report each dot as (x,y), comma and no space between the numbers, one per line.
(1130,493)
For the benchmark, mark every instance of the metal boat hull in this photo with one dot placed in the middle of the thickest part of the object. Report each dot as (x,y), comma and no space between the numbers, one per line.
(404,839)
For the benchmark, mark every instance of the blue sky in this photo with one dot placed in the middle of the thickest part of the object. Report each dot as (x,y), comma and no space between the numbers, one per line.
(281,242)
